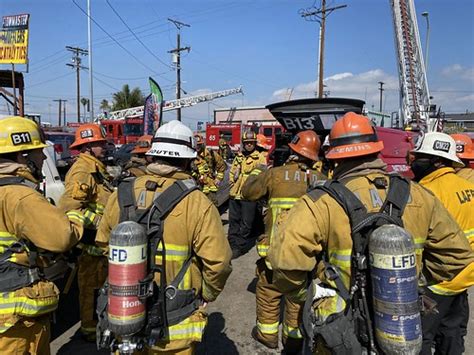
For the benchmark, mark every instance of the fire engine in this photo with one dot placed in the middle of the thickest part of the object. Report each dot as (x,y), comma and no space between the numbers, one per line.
(126,126)
(232,133)
(320,114)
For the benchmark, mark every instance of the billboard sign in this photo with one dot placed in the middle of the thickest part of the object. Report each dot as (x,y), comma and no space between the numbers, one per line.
(14,39)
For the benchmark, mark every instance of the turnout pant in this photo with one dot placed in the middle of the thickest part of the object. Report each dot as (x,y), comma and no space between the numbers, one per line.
(269,300)
(91,275)
(27,336)
(241,218)
(446,330)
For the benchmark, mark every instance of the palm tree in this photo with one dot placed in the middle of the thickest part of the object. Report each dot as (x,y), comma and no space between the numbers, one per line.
(126,98)
(104,105)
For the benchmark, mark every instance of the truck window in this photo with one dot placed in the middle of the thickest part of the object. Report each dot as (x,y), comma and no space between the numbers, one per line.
(227,135)
(133,129)
(267,131)
(277,130)
(110,128)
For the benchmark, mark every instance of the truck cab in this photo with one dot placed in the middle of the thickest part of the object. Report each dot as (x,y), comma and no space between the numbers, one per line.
(123,131)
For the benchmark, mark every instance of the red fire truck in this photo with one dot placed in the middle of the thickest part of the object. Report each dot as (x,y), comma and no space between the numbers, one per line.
(232,132)
(123,131)
(320,114)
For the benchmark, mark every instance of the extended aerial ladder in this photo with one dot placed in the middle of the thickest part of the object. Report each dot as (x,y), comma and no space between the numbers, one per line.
(415,107)
(170,105)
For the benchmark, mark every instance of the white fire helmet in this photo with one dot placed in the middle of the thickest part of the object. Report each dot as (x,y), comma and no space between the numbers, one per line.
(173,140)
(440,145)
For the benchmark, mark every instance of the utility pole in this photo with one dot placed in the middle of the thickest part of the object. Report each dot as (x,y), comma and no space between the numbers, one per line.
(89,46)
(177,61)
(320,17)
(64,113)
(60,110)
(76,59)
(381,91)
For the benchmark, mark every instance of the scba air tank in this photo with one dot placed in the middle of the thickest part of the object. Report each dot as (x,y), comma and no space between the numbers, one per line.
(395,291)
(127,266)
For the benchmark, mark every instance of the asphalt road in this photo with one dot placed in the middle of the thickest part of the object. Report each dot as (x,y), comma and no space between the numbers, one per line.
(231,318)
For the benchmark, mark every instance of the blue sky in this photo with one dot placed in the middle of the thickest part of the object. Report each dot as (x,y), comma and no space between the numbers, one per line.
(263,45)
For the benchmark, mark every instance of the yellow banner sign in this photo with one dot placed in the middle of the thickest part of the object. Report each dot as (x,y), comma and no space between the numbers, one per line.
(14,39)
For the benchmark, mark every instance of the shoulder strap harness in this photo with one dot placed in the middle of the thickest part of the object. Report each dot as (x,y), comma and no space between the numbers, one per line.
(169,305)
(362,224)
(15,276)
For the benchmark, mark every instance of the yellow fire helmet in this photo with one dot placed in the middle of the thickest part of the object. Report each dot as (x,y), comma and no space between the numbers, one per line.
(18,134)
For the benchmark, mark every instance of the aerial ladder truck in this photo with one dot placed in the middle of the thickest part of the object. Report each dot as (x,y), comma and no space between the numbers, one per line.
(126,126)
(416,111)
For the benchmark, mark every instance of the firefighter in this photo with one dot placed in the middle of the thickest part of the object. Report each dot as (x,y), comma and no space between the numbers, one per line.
(262,145)
(87,189)
(209,170)
(138,162)
(224,150)
(434,167)
(282,187)
(465,152)
(31,229)
(317,235)
(242,212)
(193,227)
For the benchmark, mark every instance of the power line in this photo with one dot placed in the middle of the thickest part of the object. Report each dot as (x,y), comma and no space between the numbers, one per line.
(100,41)
(48,65)
(49,80)
(106,84)
(36,62)
(134,35)
(115,78)
(117,42)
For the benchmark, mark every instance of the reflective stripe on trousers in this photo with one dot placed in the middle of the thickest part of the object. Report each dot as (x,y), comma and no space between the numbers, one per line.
(292,332)
(268,328)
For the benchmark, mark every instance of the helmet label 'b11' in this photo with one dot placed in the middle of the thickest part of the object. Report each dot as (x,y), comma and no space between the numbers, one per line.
(21,138)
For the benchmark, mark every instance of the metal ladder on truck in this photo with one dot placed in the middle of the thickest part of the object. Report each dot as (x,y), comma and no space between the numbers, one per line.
(171,104)
(415,103)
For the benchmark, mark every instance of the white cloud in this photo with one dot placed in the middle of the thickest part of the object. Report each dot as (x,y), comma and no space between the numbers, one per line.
(359,86)
(340,76)
(452,69)
(452,88)
(457,71)
(467,98)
